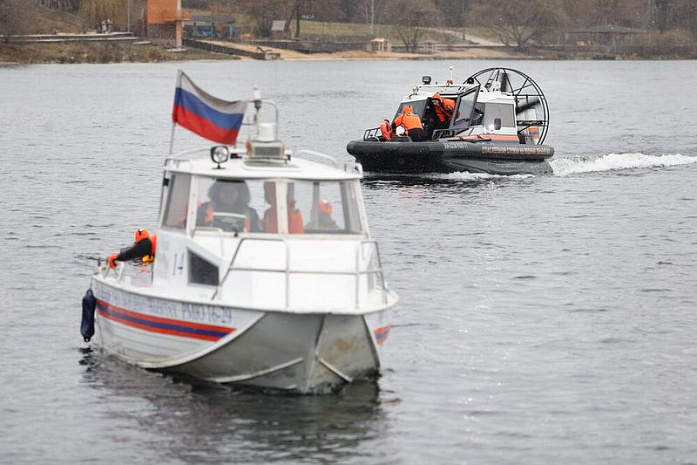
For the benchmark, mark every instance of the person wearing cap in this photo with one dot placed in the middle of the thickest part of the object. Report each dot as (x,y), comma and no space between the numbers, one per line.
(142,249)
(411,124)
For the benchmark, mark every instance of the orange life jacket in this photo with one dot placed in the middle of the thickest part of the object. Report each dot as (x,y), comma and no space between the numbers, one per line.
(445,110)
(153,249)
(408,121)
(295,221)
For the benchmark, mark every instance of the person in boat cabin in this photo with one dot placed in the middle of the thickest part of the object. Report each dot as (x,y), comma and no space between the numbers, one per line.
(411,123)
(444,109)
(228,196)
(270,220)
(142,249)
(324,217)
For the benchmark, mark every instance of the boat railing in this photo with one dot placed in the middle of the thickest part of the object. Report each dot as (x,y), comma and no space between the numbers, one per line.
(443,133)
(349,167)
(188,156)
(304,153)
(372,134)
(357,272)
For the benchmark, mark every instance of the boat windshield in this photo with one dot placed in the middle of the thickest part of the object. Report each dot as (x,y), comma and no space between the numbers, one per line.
(328,207)
(464,109)
(417,105)
(232,205)
(252,206)
(177,201)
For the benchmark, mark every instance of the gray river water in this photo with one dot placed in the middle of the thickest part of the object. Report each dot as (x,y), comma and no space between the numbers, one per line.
(543,320)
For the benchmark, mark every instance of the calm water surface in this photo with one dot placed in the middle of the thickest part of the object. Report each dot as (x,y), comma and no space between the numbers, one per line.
(543,320)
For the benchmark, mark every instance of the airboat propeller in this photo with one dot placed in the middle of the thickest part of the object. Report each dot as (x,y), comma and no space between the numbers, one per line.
(532,110)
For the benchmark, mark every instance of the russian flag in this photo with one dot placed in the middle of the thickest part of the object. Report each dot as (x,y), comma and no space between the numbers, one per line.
(205,115)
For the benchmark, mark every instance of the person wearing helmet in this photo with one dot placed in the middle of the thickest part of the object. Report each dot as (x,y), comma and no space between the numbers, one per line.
(143,248)
(444,108)
(411,124)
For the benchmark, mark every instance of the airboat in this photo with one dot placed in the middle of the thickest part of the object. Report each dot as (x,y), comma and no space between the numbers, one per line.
(498,126)
(235,299)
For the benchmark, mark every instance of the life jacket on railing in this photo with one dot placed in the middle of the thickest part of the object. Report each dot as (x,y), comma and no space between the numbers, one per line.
(143,248)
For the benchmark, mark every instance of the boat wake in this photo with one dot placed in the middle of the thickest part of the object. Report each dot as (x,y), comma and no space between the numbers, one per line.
(467,176)
(616,161)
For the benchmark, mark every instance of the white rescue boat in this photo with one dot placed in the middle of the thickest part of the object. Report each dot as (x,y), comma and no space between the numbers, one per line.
(287,293)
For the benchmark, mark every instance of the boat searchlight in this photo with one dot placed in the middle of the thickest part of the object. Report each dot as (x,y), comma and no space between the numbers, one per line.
(220,154)
(426,80)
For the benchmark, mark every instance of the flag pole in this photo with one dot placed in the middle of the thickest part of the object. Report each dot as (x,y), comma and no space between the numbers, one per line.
(171,139)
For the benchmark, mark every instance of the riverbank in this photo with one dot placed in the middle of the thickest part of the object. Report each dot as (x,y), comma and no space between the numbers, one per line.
(142,52)
(145,52)
(98,52)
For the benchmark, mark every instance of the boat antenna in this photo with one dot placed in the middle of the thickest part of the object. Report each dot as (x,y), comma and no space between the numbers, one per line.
(265,131)
(257,101)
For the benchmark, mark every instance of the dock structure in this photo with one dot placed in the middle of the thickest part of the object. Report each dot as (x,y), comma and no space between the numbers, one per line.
(229,48)
(89,37)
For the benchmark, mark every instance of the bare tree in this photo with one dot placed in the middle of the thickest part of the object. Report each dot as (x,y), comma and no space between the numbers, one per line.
(518,23)
(454,11)
(411,18)
(371,11)
(94,12)
(263,13)
(15,17)
(295,11)
(684,14)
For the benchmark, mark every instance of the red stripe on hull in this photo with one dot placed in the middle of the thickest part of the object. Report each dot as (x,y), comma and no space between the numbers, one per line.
(188,329)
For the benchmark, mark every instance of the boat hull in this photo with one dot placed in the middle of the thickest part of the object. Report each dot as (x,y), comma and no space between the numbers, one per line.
(303,352)
(451,156)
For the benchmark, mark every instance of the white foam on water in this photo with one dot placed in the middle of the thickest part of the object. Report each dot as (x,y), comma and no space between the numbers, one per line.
(616,161)
(467,176)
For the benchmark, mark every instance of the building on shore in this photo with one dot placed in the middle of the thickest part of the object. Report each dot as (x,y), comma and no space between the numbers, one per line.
(164,22)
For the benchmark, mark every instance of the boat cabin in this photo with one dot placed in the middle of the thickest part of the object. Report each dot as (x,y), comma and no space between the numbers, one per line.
(480,110)
(258,211)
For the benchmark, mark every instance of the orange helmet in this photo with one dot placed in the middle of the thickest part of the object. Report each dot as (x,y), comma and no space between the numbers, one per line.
(407,109)
(141,234)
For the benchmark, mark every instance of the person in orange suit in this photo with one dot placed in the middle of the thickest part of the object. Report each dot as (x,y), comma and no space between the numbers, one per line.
(411,123)
(444,108)
(270,220)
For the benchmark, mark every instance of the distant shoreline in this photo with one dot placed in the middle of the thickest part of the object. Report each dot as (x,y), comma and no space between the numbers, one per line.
(16,54)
